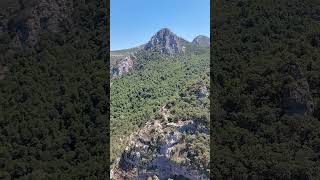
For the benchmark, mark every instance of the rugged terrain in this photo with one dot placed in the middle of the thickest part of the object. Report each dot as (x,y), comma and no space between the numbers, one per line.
(164,42)
(164,114)
(166,146)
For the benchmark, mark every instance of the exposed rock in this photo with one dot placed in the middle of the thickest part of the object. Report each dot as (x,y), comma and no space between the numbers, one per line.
(296,97)
(122,65)
(170,141)
(202,92)
(151,151)
(37,16)
(199,89)
(130,159)
(201,41)
(166,42)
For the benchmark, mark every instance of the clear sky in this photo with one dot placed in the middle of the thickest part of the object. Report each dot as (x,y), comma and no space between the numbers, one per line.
(133,22)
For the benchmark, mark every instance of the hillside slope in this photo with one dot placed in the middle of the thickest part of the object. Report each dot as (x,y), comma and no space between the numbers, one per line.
(266,106)
(164,42)
(138,98)
(52,100)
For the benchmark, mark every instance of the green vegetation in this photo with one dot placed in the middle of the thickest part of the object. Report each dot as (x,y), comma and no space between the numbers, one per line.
(251,137)
(156,81)
(52,111)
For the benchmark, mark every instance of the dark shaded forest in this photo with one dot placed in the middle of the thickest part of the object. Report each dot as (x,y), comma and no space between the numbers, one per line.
(265,89)
(53,113)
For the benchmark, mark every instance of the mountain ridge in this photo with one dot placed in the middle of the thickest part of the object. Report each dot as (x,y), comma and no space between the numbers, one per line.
(140,47)
(163,41)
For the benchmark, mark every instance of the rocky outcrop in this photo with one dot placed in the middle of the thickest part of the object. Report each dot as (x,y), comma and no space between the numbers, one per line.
(166,42)
(296,97)
(200,89)
(150,153)
(202,92)
(159,149)
(129,159)
(123,64)
(201,41)
(37,16)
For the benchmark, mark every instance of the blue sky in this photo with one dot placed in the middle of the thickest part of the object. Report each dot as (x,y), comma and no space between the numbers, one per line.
(133,22)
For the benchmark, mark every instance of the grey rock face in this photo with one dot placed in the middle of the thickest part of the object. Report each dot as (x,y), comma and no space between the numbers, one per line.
(202,92)
(166,42)
(296,97)
(150,151)
(38,16)
(201,41)
(123,65)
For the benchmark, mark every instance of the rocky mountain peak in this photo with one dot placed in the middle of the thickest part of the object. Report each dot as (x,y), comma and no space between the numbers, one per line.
(166,42)
(201,41)
(165,30)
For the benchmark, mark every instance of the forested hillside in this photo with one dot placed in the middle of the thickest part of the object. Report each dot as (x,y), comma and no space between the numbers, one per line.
(138,96)
(53,106)
(265,69)
(160,109)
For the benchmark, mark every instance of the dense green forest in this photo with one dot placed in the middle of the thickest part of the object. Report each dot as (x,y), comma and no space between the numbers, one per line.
(262,53)
(53,113)
(156,80)
(189,105)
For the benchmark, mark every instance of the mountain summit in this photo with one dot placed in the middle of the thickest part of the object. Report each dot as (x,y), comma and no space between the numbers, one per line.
(165,41)
(201,41)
